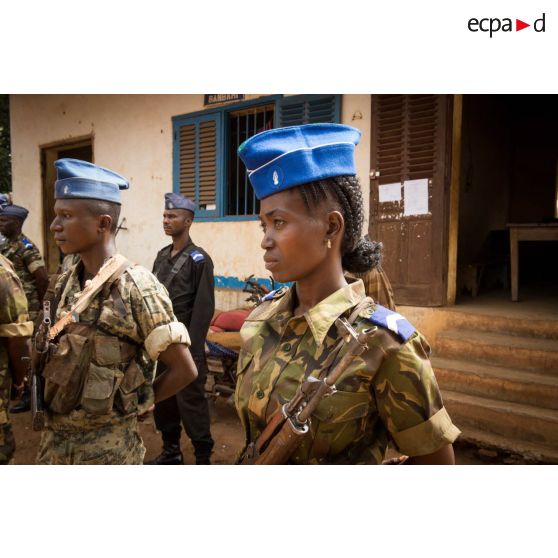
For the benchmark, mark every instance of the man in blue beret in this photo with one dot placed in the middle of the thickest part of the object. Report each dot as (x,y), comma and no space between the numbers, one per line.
(27,263)
(111,321)
(187,272)
(24,255)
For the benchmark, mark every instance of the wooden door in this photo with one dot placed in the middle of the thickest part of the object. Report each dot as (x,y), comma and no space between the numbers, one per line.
(411,142)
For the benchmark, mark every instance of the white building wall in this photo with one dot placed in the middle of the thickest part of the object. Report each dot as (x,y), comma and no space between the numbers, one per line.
(132,134)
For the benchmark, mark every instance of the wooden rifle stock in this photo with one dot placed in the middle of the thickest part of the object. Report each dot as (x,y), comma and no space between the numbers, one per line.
(287,429)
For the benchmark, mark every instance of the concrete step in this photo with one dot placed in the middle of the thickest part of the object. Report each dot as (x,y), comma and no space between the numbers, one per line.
(514,421)
(540,355)
(511,325)
(497,382)
(529,452)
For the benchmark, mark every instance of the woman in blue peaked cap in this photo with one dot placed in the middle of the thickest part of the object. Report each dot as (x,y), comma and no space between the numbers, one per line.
(311,214)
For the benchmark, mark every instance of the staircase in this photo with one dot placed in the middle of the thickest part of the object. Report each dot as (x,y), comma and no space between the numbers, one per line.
(499,381)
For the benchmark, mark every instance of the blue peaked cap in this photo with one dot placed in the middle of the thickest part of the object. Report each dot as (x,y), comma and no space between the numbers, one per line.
(80,179)
(285,157)
(11,210)
(177,201)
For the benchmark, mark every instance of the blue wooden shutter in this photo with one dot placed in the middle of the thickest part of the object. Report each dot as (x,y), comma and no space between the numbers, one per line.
(197,160)
(309,109)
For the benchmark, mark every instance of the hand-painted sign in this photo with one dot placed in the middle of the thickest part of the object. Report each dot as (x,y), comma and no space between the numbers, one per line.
(217,98)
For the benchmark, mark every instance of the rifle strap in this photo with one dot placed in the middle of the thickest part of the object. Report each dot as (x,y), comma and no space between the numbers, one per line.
(109,272)
(180,261)
(332,357)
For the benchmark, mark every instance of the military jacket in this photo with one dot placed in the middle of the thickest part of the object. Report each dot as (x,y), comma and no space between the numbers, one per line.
(26,259)
(104,364)
(14,322)
(377,286)
(387,393)
(191,290)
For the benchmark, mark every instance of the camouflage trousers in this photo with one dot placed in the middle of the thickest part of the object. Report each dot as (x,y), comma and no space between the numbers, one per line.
(83,439)
(7,441)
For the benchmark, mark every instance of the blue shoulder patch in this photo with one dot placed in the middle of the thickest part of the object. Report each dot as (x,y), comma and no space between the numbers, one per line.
(273,294)
(269,296)
(197,256)
(393,321)
(26,243)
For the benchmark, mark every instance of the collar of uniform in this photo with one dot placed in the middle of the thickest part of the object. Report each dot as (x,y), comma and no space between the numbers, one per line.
(277,310)
(168,248)
(321,317)
(71,288)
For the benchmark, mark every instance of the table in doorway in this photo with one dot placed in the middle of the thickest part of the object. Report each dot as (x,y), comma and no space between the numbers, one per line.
(526,231)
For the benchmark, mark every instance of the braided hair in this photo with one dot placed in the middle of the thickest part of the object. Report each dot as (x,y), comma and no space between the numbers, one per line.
(357,254)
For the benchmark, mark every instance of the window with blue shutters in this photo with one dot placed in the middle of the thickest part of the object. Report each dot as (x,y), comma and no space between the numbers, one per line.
(206,166)
(309,109)
(197,161)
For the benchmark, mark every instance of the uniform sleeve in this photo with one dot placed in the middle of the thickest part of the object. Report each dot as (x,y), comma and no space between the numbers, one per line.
(409,401)
(156,323)
(14,320)
(32,259)
(204,303)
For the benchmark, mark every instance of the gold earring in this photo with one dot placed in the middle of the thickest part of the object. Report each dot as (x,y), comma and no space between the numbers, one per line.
(329,242)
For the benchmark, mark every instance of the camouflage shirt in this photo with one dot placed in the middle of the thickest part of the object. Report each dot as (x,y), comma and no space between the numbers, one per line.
(387,393)
(142,313)
(26,259)
(377,286)
(14,322)
(138,310)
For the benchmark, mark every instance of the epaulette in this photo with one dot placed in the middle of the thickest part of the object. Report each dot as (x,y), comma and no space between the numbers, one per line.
(393,321)
(26,243)
(197,256)
(274,294)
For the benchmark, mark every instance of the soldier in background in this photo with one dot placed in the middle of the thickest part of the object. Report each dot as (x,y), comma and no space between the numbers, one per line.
(29,266)
(187,272)
(24,255)
(376,282)
(15,330)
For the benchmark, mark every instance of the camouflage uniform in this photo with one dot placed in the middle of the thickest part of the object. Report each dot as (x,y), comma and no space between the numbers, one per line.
(101,375)
(377,286)
(14,322)
(26,259)
(387,393)
(68,262)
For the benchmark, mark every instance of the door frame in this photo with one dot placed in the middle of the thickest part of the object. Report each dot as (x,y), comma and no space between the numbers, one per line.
(49,154)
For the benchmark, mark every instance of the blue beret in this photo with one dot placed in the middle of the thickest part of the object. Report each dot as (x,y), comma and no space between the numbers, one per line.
(285,157)
(14,211)
(80,179)
(177,201)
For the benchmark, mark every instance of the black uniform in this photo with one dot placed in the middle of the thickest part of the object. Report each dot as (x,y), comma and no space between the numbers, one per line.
(188,277)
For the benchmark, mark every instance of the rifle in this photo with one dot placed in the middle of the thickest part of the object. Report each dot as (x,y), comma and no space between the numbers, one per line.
(257,291)
(286,430)
(40,349)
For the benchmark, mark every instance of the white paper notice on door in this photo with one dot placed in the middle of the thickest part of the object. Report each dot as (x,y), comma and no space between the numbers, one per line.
(415,194)
(389,192)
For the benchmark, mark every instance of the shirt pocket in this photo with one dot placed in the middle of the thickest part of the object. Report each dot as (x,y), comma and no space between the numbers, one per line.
(127,398)
(244,360)
(65,372)
(339,420)
(104,376)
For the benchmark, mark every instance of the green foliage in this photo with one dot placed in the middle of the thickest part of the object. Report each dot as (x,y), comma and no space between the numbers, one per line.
(5,151)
